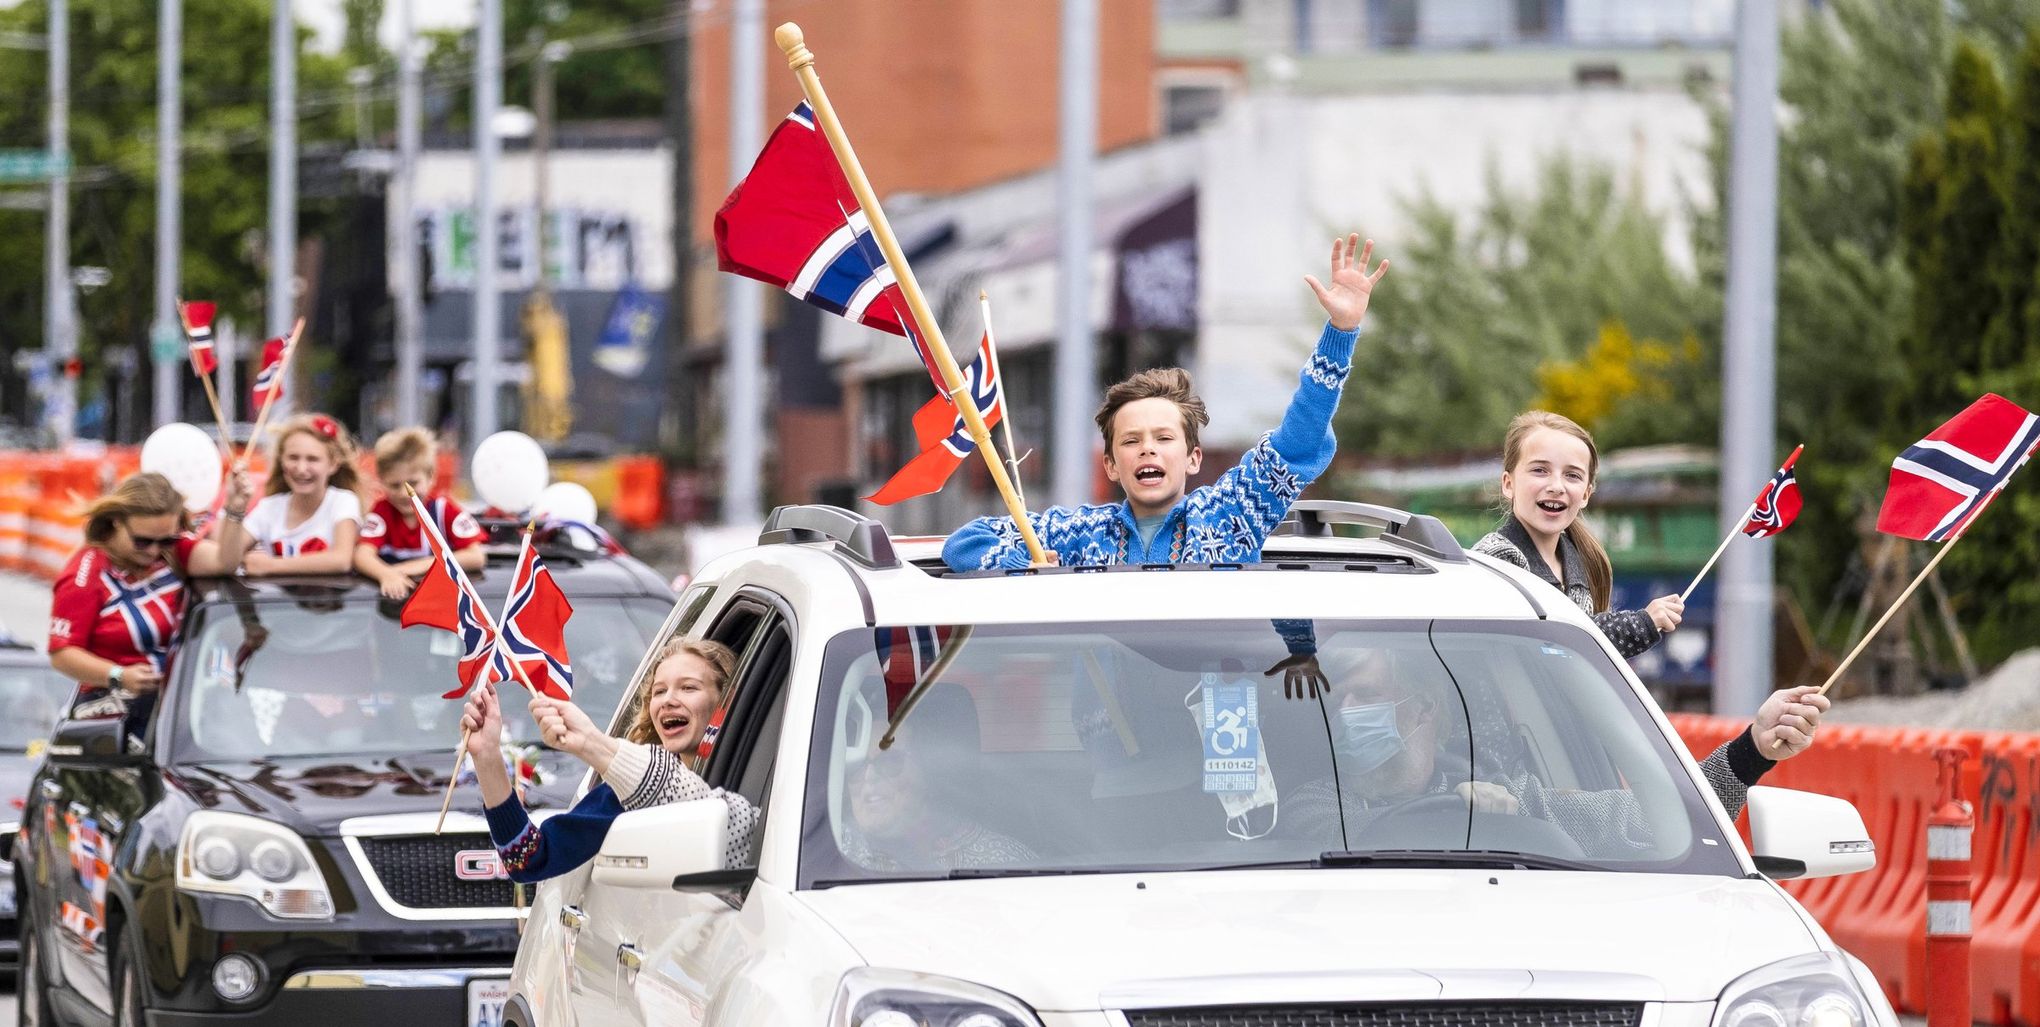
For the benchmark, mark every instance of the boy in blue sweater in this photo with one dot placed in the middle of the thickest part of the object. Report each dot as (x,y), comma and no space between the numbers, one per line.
(1150,423)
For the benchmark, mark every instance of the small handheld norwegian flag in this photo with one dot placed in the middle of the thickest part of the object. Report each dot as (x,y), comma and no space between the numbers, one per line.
(198,335)
(1778,505)
(1940,483)
(268,387)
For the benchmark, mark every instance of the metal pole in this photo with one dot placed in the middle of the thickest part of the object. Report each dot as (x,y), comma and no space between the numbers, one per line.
(488,315)
(59,333)
(743,437)
(227,345)
(678,427)
(1742,634)
(1075,350)
(282,304)
(403,231)
(169,209)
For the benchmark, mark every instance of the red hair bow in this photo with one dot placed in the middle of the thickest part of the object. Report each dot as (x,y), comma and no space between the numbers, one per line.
(326,426)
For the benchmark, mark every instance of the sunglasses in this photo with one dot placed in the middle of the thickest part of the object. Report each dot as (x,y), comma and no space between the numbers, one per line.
(149,542)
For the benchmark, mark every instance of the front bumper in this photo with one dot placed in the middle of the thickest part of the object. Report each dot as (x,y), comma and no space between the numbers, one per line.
(353,995)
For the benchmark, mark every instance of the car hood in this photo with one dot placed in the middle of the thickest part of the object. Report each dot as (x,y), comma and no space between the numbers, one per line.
(1131,941)
(313,794)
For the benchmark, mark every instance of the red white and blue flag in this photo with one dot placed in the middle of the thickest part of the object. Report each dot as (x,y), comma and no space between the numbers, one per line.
(1778,505)
(446,599)
(905,656)
(198,336)
(148,609)
(268,386)
(1940,483)
(534,626)
(794,222)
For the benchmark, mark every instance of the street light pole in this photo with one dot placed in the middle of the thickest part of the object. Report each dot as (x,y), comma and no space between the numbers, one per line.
(169,211)
(59,333)
(404,222)
(488,147)
(282,305)
(743,435)
(1076,349)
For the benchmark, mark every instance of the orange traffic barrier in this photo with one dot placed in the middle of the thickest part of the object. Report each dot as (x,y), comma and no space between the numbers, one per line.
(640,492)
(1950,830)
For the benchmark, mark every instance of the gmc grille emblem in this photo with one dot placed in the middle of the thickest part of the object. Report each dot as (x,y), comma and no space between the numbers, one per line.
(479,865)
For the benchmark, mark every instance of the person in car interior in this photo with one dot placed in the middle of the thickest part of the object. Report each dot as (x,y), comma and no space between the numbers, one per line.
(1386,720)
(674,704)
(1150,423)
(310,516)
(117,609)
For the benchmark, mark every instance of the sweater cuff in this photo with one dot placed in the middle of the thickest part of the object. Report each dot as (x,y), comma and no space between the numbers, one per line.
(507,820)
(627,769)
(1748,762)
(1337,346)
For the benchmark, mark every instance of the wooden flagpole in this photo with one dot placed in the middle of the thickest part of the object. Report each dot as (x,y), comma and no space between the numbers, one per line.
(1006,420)
(802,61)
(212,395)
(282,369)
(1720,549)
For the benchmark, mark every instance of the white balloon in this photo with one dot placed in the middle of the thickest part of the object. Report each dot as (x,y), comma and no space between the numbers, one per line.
(509,471)
(566,501)
(187,456)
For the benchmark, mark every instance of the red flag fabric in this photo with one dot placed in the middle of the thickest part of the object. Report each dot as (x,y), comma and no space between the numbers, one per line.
(446,599)
(268,385)
(1778,505)
(535,625)
(945,442)
(198,336)
(1940,483)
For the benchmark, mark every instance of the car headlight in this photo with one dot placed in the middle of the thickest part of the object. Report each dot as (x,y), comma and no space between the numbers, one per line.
(1814,990)
(870,997)
(233,854)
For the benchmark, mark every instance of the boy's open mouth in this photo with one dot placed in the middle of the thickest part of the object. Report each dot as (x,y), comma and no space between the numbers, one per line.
(1149,474)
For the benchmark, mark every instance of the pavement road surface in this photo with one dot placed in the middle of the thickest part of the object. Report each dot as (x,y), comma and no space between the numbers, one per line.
(25,608)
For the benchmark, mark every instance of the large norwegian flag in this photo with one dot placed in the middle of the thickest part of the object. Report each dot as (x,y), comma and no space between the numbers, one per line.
(446,599)
(268,386)
(1940,483)
(945,441)
(535,624)
(198,335)
(1778,505)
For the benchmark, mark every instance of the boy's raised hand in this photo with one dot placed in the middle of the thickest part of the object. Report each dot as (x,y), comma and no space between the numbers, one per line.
(1345,299)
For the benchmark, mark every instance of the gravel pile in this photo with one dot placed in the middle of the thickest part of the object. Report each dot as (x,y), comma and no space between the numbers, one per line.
(2006,699)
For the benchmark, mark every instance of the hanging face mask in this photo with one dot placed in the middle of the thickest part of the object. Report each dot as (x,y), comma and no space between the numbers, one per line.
(1368,736)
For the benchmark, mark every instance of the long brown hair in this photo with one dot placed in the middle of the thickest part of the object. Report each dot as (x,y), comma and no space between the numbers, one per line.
(147,494)
(331,434)
(1600,572)
(720,658)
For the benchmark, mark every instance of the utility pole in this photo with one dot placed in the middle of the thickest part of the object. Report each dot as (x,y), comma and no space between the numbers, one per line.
(169,208)
(403,227)
(282,180)
(60,339)
(744,435)
(548,412)
(488,312)
(1749,359)
(678,420)
(1075,350)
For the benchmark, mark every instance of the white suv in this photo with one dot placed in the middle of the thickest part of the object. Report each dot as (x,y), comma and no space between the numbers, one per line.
(1097,806)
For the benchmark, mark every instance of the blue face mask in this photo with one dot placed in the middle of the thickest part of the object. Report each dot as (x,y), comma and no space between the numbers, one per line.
(1368,736)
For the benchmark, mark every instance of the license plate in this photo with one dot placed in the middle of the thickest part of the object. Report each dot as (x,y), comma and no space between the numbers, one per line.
(486,999)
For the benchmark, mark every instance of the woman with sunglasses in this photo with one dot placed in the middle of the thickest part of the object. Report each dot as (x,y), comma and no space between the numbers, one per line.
(116,610)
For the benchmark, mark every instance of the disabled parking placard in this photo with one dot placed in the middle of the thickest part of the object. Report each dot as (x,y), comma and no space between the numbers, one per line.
(1232,737)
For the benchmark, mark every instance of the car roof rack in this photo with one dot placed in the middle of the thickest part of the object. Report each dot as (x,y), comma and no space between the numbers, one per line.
(1420,533)
(862,538)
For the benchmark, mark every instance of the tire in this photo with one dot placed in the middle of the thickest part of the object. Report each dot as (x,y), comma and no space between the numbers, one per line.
(31,987)
(127,990)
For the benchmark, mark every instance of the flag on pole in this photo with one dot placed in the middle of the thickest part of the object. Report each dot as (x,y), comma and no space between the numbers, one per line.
(535,623)
(939,428)
(1778,505)
(446,599)
(198,336)
(1940,482)
(268,385)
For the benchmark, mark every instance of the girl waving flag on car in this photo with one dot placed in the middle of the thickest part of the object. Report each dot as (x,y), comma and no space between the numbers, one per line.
(310,517)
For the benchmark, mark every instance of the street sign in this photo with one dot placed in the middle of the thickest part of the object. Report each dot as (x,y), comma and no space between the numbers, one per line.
(32,165)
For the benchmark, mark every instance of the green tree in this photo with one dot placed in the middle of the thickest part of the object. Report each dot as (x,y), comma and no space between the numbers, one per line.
(2016,328)
(616,74)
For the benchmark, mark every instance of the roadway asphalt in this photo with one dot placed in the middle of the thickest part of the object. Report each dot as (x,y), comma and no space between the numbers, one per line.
(25,607)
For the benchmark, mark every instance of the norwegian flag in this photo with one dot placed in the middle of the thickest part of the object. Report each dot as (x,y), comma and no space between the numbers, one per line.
(145,609)
(268,387)
(1778,505)
(939,428)
(1940,483)
(904,657)
(710,733)
(535,623)
(446,599)
(198,335)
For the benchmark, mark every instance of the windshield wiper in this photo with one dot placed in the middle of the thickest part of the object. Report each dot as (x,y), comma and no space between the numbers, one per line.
(987,873)
(1501,859)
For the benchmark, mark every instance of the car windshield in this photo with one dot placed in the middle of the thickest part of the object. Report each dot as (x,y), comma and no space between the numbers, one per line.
(1172,746)
(34,697)
(325,676)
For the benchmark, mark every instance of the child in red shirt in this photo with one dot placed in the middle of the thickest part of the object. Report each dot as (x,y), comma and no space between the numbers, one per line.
(393,549)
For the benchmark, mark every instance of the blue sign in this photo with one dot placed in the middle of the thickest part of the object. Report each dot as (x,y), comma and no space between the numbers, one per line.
(625,344)
(1232,737)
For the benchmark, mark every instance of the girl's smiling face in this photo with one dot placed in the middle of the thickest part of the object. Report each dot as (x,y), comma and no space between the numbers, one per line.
(1550,483)
(307,464)
(682,697)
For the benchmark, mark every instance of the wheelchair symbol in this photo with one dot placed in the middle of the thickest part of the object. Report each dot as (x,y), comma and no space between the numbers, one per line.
(1230,736)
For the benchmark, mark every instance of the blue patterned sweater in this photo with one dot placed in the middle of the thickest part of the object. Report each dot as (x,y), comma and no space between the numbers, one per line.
(1223,522)
(534,852)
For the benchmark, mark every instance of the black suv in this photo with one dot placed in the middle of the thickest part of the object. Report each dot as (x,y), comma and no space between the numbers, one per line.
(265,854)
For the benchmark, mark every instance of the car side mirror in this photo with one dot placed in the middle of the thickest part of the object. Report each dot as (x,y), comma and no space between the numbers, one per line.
(1796,834)
(88,742)
(679,846)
